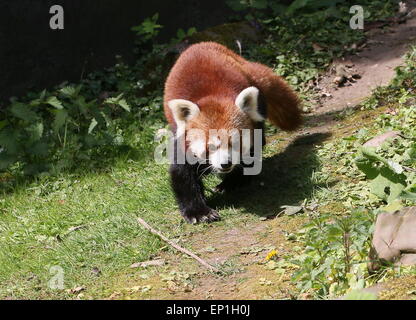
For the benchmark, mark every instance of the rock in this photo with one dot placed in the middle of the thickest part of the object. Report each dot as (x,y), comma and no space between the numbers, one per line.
(394,239)
(340,80)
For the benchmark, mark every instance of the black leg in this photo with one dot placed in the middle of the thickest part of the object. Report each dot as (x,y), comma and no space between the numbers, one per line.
(189,192)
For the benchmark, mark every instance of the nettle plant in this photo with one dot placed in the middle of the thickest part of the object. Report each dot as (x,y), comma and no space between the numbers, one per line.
(391,166)
(118,108)
(335,257)
(56,129)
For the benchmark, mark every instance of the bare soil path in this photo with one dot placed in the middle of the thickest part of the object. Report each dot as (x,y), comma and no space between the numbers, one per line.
(374,65)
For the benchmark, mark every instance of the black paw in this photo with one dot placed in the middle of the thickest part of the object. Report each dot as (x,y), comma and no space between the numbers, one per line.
(209,215)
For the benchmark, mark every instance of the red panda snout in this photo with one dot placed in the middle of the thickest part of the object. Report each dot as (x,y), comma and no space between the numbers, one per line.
(222,149)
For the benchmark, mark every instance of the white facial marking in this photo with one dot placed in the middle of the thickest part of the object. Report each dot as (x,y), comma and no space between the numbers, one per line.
(215,141)
(198,148)
(218,157)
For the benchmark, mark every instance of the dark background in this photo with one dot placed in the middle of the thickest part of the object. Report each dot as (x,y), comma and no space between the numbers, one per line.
(32,56)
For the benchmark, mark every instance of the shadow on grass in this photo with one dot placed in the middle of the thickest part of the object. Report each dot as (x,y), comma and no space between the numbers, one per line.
(103,162)
(286,179)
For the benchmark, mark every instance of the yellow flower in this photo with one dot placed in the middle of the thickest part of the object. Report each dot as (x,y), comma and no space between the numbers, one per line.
(271,255)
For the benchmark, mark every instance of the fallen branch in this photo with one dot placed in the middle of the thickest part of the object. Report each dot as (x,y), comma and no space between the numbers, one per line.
(177,247)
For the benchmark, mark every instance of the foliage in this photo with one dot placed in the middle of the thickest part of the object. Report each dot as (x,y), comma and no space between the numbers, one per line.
(38,133)
(369,181)
(360,295)
(89,123)
(148,29)
(271,8)
(301,46)
(182,34)
(336,254)
(390,166)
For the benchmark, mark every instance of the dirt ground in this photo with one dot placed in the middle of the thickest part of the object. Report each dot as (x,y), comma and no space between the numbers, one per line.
(374,65)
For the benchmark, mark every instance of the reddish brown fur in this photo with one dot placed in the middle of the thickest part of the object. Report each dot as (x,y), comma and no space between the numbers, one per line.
(211,76)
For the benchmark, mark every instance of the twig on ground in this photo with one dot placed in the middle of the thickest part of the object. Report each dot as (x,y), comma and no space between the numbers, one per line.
(177,247)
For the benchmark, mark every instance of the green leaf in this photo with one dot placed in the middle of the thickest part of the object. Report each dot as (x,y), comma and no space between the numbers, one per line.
(408,195)
(35,131)
(54,102)
(367,167)
(38,149)
(259,4)
(9,139)
(70,91)
(118,101)
(360,295)
(236,5)
(93,124)
(6,160)
(296,5)
(388,185)
(123,103)
(22,111)
(82,104)
(60,118)
(393,206)
(3,123)
(191,31)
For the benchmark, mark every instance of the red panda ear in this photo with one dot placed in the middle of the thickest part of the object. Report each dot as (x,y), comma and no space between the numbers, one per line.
(247,101)
(183,110)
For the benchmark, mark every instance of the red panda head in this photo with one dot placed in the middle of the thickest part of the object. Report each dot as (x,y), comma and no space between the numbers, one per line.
(217,129)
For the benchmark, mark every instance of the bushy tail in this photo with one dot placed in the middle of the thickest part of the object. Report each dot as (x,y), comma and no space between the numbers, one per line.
(283,104)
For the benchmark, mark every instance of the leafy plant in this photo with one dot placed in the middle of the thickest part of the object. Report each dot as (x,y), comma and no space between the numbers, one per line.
(336,254)
(148,29)
(182,34)
(369,180)
(37,134)
(389,180)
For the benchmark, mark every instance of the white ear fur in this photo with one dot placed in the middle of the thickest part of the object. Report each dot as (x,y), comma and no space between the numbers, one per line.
(183,111)
(247,101)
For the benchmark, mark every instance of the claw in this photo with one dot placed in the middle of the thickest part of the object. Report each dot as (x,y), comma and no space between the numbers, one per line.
(204,219)
(211,216)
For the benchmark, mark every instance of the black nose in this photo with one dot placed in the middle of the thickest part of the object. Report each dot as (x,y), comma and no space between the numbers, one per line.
(226,165)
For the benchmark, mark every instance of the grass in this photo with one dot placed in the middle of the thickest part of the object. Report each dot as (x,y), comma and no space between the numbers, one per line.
(87,222)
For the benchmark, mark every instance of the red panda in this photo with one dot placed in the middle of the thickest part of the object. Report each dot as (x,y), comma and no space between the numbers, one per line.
(211,87)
